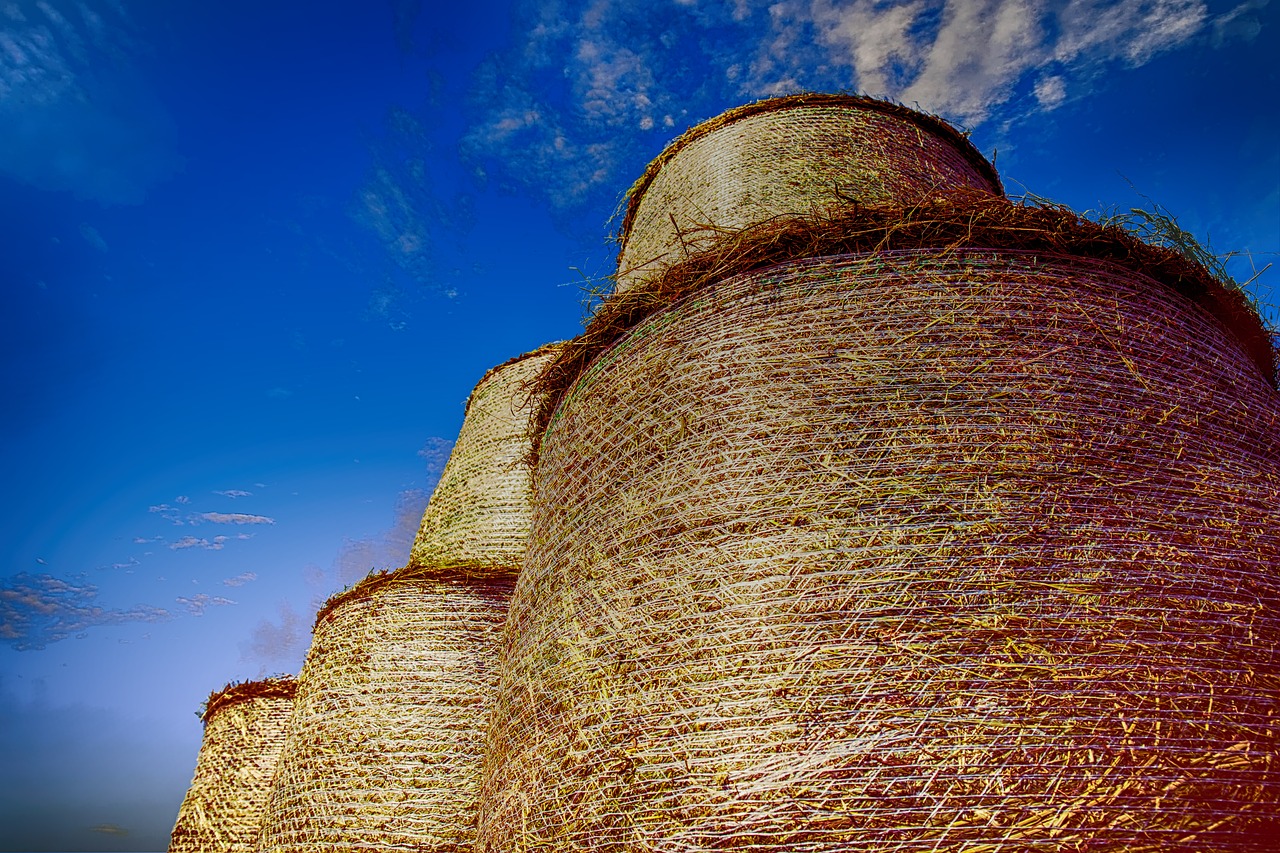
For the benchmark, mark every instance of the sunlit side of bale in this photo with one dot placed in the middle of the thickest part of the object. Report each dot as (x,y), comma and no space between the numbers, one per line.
(907,551)
(477,521)
(244,730)
(789,155)
(384,753)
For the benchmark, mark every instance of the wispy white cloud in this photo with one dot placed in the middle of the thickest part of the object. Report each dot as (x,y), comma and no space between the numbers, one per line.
(231,518)
(240,579)
(36,610)
(196,605)
(109,829)
(233,493)
(279,641)
(566,111)
(76,113)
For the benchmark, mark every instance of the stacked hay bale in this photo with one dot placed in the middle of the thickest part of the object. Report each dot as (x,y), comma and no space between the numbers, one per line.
(393,700)
(244,729)
(791,155)
(950,525)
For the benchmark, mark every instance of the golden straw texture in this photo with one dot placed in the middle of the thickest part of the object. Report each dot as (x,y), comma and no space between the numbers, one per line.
(384,750)
(788,156)
(477,521)
(911,551)
(244,730)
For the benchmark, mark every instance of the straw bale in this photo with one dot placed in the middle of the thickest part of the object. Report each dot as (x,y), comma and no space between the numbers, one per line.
(915,550)
(244,730)
(384,752)
(964,220)
(477,521)
(786,156)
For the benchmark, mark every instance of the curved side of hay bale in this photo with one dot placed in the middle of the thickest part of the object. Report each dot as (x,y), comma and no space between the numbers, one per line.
(987,558)
(244,730)
(477,521)
(788,156)
(384,751)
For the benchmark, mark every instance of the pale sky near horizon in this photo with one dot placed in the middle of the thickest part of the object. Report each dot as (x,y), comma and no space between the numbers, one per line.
(254,256)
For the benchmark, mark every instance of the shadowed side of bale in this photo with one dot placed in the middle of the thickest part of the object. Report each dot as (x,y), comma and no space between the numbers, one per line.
(384,751)
(986,558)
(244,730)
(788,156)
(477,521)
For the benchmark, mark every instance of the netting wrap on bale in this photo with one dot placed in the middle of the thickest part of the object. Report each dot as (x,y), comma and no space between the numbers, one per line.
(901,551)
(384,751)
(244,730)
(477,521)
(789,155)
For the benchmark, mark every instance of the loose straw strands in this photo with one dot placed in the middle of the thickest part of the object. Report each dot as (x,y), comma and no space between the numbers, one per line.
(973,220)
(477,521)
(384,752)
(968,550)
(244,732)
(789,156)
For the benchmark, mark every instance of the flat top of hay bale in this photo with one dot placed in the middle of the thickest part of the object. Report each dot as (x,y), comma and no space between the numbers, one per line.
(974,220)
(933,124)
(275,687)
(377,581)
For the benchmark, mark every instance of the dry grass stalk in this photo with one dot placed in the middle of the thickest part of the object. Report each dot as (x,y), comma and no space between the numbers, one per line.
(788,156)
(907,551)
(974,220)
(477,521)
(244,730)
(384,751)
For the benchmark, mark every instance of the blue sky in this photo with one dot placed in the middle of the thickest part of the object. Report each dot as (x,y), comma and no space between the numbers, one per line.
(253,257)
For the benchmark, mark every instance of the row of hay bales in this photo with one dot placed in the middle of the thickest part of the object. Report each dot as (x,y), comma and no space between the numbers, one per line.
(873,511)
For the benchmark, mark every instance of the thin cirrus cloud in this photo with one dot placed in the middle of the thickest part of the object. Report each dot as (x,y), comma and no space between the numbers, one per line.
(196,605)
(77,115)
(240,579)
(233,493)
(565,111)
(36,610)
(230,518)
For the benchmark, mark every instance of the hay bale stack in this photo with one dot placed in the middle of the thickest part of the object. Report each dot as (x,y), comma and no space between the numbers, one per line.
(988,558)
(477,521)
(244,730)
(785,156)
(384,753)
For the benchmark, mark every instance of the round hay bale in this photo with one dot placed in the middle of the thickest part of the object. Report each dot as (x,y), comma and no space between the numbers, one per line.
(917,550)
(477,521)
(244,730)
(790,155)
(384,752)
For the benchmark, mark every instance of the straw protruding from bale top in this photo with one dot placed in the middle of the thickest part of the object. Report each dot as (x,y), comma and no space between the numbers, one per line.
(244,730)
(384,752)
(791,155)
(914,549)
(477,521)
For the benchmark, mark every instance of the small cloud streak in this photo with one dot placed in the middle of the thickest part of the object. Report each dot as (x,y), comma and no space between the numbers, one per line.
(36,610)
(197,604)
(234,493)
(109,829)
(240,579)
(231,518)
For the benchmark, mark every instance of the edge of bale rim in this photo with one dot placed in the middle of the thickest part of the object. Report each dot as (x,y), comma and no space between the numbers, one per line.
(275,687)
(926,121)
(375,582)
(498,368)
(974,220)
